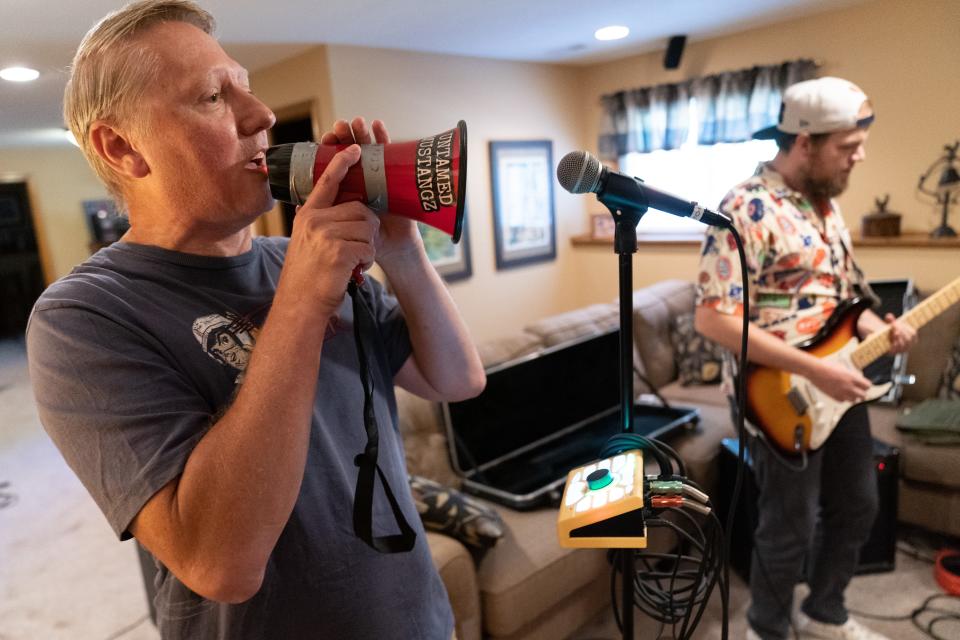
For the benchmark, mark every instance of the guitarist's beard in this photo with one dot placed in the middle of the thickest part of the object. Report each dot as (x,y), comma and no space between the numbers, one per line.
(825,187)
(819,184)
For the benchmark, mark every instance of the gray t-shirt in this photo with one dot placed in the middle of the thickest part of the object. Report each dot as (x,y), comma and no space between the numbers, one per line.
(132,357)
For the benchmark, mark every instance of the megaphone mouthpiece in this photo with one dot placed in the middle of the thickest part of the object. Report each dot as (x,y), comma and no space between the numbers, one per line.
(278,171)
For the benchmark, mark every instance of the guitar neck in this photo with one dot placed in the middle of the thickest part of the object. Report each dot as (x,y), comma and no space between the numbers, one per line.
(877,344)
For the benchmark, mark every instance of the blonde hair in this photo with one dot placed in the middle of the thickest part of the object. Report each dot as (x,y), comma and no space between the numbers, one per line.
(110,72)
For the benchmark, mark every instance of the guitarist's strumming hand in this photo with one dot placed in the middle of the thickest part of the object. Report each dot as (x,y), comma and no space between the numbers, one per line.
(839,382)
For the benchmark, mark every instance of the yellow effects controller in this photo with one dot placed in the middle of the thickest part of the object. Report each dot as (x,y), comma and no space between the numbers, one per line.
(602,504)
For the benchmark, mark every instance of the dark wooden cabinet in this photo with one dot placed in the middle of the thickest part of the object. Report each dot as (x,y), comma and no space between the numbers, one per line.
(21,273)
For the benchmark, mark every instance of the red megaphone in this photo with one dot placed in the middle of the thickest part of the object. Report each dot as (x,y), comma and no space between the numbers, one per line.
(424,179)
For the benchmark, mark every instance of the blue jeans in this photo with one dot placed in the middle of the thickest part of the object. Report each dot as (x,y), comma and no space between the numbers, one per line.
(838,488)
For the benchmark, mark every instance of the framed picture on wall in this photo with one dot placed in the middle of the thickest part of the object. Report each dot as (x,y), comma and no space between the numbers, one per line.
(524,223)
(452,261)
(602,226)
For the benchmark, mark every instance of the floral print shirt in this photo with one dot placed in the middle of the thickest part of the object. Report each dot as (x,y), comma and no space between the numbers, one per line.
(796,258)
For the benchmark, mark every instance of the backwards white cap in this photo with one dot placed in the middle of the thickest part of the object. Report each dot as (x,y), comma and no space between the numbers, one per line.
(823,105)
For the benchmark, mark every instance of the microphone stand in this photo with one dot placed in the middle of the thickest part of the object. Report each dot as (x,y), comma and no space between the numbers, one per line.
(625,245)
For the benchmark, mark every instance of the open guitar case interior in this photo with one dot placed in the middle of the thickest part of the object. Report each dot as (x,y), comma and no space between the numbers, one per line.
(896,297)
(541,416)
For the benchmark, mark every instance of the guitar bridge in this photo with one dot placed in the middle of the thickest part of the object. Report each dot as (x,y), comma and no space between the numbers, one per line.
(797,400)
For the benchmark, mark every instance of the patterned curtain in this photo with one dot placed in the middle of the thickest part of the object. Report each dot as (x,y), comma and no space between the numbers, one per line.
(642,120)
(734,104)
(730,106)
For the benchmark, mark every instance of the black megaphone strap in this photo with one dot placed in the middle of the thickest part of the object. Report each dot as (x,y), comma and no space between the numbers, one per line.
(367,461)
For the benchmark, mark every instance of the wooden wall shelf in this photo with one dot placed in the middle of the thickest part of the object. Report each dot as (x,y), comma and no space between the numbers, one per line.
(908,240)
(645,239)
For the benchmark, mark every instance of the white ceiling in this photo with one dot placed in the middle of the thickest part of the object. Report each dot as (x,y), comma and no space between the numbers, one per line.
(44,34)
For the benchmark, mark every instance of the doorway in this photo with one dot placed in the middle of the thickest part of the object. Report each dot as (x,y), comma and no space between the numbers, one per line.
(296,129)
(21,274)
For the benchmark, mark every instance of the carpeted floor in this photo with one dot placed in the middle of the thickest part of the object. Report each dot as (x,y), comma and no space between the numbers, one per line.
(64,575)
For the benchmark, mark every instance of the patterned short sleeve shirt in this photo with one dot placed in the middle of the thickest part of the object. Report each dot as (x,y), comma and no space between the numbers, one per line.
(796,258)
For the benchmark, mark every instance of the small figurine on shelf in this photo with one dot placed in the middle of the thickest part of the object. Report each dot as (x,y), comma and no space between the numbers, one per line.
(881,222)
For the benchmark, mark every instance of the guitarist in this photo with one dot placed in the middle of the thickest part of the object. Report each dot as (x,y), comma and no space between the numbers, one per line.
(800,267)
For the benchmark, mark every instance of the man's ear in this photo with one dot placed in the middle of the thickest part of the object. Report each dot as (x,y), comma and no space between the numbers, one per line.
(115,148)
(804,144)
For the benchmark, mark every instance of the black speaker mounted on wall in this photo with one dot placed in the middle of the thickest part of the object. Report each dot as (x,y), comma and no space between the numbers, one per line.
(671,59)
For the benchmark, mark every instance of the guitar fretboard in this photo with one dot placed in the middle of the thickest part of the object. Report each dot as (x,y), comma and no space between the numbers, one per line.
(877,344)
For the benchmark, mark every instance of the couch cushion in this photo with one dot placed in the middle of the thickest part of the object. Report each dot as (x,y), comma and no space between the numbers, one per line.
(699,360)
(883,424)
(456,568)
(563,327)
(445,510)
(937,465)
(528,571)
(950,380)
(424,439)
(573,612)
(932,464)
(494,352)
(928,358)
(675,392)
(654,308)
(929,506)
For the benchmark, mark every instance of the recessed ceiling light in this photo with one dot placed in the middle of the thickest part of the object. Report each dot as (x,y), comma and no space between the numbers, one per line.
(613,32)
(19,74)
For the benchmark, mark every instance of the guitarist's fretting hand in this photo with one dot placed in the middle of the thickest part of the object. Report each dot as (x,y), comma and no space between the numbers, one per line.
(902,335)
(838,382)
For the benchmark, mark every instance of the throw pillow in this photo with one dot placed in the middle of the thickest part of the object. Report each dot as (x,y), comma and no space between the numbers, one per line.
(456,514)
(699,361)
(950,381)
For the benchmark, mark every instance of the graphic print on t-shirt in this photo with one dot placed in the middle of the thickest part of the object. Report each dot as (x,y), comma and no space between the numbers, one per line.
(229,339)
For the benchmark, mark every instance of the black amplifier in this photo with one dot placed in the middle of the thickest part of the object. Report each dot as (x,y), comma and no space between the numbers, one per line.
(878,553)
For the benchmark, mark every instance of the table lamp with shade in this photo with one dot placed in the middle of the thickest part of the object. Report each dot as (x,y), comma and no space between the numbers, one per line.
(947,188)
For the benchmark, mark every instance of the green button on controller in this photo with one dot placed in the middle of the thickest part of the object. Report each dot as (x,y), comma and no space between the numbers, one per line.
(599,479)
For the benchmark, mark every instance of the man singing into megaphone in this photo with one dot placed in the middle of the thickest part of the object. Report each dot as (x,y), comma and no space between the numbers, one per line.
(203,384)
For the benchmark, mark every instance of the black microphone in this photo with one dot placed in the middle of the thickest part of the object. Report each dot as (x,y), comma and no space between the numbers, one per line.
(580,172)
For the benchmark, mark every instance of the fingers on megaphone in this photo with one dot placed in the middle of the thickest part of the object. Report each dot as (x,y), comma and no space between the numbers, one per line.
(324,192)
(358,131)
(361,132)
(380,132)
(340,133)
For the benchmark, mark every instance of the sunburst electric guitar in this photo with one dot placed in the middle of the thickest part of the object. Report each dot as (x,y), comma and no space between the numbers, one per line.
(795,415)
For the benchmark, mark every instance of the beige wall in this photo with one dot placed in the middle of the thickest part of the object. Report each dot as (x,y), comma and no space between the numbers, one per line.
(421,94)
(903,54)
(59,180)
(304,78)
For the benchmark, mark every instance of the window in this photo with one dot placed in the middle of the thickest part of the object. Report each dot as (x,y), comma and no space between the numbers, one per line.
(703,174)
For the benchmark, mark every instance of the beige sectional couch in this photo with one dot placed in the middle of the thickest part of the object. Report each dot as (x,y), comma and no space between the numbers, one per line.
(527,586)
